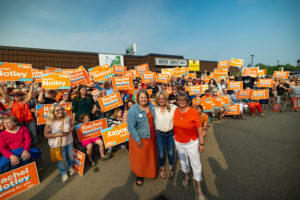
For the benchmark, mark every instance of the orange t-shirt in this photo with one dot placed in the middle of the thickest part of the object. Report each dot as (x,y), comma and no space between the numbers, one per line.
(197,101)
(185,125)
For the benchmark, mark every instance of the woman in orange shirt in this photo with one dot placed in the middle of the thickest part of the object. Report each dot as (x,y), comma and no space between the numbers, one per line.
(189,140)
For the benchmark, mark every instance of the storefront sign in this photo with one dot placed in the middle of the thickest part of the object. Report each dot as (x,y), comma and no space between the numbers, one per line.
(170,62)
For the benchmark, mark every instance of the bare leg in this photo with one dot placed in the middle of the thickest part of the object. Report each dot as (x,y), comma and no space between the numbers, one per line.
(101,147)
(89,151)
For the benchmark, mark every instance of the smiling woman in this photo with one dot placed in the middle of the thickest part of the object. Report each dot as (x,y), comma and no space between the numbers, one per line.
(142,150)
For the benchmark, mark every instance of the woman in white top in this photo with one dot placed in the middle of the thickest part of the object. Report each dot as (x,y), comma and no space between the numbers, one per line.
(59,124)
(164,113)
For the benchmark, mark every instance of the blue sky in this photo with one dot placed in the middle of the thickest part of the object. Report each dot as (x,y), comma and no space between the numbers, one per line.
(203,29)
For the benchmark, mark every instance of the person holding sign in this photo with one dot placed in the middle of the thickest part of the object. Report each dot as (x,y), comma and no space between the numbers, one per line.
(189,140)
(83,103)
(164,113)
(283,94)
(85,118)
(59,127)
(15,145)
(296,92)
(142,150)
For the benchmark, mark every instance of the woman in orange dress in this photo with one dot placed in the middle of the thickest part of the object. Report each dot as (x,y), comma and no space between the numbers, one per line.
(142,146)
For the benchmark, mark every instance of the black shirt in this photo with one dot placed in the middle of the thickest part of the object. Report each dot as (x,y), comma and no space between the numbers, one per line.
(280,90)
(154,89)
(248,82)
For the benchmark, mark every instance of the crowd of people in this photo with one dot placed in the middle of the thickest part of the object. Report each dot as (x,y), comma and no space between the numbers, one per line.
(168,119)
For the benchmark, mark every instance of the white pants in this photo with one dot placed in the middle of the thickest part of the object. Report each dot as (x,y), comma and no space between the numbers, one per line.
(190,151)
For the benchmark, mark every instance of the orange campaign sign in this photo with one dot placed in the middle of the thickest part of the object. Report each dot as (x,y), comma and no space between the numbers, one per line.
(140,69)
(37,74)
(206,79)
(250,71)
(18,180)
(100,73)
(262,72)
(235,85)
(134,74)
(168,90)
(78,161)
(178,72)
(276,107)
(233,109)
(193,76)
(122,83)
(265,83)
(67,71)
(115,135)
(129,73)
(110,102)
(281,74)
(43,109)
(50,70)
(119,70)
(260,94)
(193,89)
(148,76)
(207,105)
(203,88)
(236,62)
(226,100)
(196,101)
(220,72)
(56,81)
(163,78)
(224,64)
(15,72)
(296,103)
(80,76)
(244,94)
(91,129)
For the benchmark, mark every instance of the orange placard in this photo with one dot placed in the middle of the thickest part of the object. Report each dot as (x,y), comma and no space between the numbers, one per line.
(148,76)
(226,100)
(233,109)
(296,103)
(78,161)
(220,72)
(115,135)
(18,180)
(206,79)
(236,62)
(100,73)
(193,89)
(224,64)
(67,71)
(268,83)
(80,76)
(276,107)
(56,81)
(134,74)
(262,72)
(260,94)
(235,85)
(207,105)
(140,69)
(128,73)
(122,83)
(191,75)
(37,74)
(244,94)
(95,92)
(196,101)
(50,70)
(43,109)
(178,72)
(15,72)
(250,71)
(163,78)
(168,90)
(91,129)
(119,70)
(281,74)
(203,88)
(110,102)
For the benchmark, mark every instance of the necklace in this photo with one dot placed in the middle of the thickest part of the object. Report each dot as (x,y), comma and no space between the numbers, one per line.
(182,113)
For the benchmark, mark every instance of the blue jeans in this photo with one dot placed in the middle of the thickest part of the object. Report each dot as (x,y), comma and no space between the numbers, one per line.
(165,141)
(67,154)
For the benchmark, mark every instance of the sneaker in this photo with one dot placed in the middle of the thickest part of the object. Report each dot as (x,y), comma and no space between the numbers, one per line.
(72,171)
(185,182)
(65,177)
(107,156)
(263,115)
(93,163)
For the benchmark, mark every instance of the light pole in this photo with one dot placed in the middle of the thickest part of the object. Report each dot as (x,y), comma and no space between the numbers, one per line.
(252,60)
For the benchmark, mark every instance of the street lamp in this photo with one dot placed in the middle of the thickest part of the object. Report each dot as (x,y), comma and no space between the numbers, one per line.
(252,60)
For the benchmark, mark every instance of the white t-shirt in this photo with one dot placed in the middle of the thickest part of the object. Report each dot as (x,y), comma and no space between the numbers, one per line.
(164,121)
(56,127)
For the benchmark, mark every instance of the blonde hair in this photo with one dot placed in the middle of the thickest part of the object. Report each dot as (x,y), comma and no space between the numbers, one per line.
(166,96)
(51,116)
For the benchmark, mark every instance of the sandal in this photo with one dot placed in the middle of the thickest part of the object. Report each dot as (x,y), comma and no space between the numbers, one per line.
(171,173)
(162,173)
(141,179)
(200,197)
(185,182)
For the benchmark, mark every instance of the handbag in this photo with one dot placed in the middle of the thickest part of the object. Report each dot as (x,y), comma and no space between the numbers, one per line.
(56,153)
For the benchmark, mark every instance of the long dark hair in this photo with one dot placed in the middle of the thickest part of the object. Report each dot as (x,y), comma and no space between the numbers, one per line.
(214,82)
(78,95)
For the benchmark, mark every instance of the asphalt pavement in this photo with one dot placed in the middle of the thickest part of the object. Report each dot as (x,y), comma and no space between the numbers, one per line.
(256,158)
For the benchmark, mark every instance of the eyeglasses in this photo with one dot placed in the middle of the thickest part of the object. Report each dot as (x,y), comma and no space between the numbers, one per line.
(66,94)
(60,110)
(5,123)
